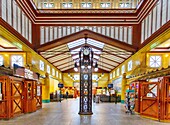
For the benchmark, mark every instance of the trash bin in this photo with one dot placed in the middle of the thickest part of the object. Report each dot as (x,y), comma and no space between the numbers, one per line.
(97,99)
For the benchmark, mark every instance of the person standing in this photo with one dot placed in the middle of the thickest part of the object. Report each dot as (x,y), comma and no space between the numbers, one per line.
(66,94)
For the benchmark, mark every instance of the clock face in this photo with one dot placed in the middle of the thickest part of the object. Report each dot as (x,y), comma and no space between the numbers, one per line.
(86,51)
(85,76)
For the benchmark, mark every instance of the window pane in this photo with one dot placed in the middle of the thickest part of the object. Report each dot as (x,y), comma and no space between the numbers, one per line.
(41,65)
(48,69)
(17,59)
(1,60)
(155,61)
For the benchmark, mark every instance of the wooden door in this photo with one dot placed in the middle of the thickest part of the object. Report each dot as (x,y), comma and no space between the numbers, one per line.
(17,96)
(28,96)
(3,101)
(38,95)
(149,99)
(167,98)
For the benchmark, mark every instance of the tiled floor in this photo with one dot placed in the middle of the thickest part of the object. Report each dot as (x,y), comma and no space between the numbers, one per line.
(66,113)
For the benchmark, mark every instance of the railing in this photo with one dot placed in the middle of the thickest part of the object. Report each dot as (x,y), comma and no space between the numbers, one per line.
(87,4)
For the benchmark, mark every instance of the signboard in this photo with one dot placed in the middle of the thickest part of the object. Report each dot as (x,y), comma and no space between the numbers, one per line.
(60,85)
(28,74)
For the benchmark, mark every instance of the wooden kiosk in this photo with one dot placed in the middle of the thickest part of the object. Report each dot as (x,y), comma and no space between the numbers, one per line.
(19,95)
(153,98)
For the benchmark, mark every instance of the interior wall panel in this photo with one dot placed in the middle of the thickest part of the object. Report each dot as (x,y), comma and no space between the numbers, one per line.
(164,11)
(121,33)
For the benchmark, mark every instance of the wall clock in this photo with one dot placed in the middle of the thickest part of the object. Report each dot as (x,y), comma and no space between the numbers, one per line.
(85,76)
(86,51)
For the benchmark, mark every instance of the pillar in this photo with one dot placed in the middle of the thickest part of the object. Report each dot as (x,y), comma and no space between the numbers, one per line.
(46,89)
(123,88)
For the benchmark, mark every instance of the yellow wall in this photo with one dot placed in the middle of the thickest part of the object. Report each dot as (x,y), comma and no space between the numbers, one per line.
(140,58)
(7,57)
(32,58)
(103,82)
(53,85)
(67,80)
(164,56)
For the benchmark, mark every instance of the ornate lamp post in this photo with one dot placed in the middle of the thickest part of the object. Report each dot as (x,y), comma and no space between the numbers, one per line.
(86,65)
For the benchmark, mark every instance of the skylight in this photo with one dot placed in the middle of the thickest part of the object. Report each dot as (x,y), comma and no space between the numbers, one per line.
(76,43)
(96,43)
(96,51)
(75,51)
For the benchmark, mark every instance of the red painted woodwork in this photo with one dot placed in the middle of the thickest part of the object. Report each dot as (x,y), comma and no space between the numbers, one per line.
(32,101)
(19,96)
(154,99)
(12,101)
(38,95)
(149,106)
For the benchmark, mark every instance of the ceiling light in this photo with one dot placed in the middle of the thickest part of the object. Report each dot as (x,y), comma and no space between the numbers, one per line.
(82,66)
(89,67)
(96,67)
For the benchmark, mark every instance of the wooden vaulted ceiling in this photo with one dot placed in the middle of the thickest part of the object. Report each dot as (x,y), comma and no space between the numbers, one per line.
(108,53)
(113,52)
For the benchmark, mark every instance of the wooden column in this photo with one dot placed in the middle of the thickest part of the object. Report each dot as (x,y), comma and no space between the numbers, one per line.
(136,35)
(35,36)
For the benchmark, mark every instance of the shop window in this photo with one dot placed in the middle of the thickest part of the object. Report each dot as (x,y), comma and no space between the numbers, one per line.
(155,61)
(153,91)
(48,69)
(53,72)
(105,5)
(130,65)
(86,5)
(123,69)
(17,59)
(1,60)
(41,65)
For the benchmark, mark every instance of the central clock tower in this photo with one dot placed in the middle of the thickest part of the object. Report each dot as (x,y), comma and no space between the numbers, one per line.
(85,56)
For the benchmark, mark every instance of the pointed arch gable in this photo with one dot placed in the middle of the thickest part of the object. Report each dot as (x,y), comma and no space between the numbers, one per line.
(90,34)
